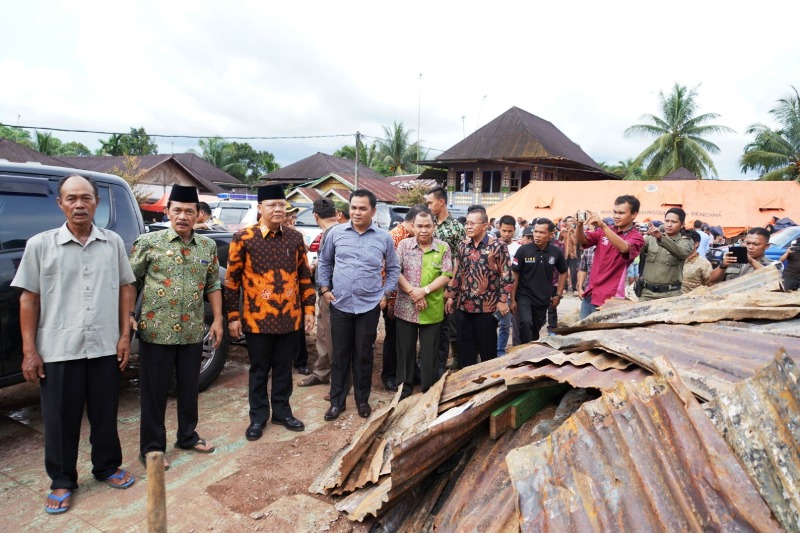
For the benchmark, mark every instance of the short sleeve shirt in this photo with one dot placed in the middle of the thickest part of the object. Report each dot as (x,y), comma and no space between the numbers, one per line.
(452,232)
(536,268)
(609,264)
(420,267)
(78,286)
(738,270)
(172,277)
(696,272)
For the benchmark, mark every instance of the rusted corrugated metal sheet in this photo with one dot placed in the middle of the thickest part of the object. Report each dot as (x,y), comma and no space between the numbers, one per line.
(789,328)
(710,360)
(760,419)
(644,457)
(743,299)
(602,371)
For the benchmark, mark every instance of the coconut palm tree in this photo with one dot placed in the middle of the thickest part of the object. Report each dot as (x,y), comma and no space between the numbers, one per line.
(775,154)
(221,154)
(47,144)
(679,136)
(395,151)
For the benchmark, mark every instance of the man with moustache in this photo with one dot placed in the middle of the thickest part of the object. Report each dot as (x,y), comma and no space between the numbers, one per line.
(76,294)
(268,267)
(665,252)
(349,277)
(174,268)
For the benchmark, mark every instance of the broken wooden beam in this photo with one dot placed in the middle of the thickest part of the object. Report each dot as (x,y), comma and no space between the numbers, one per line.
(513,414)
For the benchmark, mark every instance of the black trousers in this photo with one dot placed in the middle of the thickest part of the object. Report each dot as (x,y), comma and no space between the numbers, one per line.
(407,335)
(353,340)
(552,313)
(477,333)
(572,265)
(66,389)
(271,353)
(447,334)
(389,356)
(301,352)
(156,364)
(531,316)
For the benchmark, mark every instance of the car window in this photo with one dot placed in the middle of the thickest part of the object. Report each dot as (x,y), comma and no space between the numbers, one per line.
(232,214)
(27,207)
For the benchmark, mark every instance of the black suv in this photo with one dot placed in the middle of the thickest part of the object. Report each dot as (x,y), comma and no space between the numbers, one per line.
(28,206)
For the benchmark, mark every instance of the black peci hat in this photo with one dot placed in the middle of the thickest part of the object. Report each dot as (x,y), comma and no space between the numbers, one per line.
(183,194)
(270,192)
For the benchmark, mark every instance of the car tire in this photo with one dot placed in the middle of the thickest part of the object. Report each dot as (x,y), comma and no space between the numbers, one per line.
(213,359)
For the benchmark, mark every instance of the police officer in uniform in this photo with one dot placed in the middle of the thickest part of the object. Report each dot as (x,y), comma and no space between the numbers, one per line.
(665,248)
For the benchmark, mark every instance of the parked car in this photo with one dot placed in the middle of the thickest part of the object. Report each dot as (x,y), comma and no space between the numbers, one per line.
(306,225)
(390,215)
(27,207)
(236,214)
(780,240)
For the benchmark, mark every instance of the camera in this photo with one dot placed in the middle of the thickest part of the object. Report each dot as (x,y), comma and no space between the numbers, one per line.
(794,246)
(582,215)
(740,253)
(643,227)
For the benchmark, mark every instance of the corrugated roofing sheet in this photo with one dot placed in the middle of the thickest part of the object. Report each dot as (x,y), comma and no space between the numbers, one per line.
(709,359)
(644,457)
(748,297)
(760,420)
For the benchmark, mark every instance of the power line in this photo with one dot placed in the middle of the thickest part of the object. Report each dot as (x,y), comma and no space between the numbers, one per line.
(165,136)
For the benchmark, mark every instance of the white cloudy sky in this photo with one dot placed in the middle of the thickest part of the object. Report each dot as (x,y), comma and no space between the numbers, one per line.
(274,69)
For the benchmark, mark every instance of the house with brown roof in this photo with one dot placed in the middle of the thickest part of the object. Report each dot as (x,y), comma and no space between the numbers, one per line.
(508,153)
(12,152)
(340,185)
(312,168)
(164,170)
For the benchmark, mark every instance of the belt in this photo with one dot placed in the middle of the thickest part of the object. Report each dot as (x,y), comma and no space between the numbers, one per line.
(667,287)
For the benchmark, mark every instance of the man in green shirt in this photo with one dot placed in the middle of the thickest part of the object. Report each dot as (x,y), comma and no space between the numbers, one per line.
(174,268)
(666,248)
(451,231)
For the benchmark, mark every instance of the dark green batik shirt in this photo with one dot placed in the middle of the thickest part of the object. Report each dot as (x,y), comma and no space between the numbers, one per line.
(452,232)
(172,277)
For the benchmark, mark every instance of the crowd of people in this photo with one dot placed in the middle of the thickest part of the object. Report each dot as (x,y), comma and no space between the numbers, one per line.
(451,293)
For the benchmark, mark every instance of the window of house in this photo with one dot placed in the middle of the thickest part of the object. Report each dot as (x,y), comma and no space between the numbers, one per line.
(519,179)
(549,175)
(465,181)
(491,181)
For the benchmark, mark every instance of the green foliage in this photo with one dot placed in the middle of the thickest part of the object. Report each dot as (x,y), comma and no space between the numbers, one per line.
(74,149)
(368,156)
(240,160)
(775,153)
(17,135)
(137,142)
(413,196)
(396,152)
(628,170)
(679,134)
(133,174)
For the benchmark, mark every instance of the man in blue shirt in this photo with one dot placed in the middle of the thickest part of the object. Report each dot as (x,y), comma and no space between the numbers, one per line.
(350,278)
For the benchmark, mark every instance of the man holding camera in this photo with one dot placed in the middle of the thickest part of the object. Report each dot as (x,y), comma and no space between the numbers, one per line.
(666,249)
(756,242)
(791,276)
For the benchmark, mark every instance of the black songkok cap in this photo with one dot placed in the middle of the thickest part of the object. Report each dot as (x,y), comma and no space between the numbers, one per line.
(183,194)
(270,192)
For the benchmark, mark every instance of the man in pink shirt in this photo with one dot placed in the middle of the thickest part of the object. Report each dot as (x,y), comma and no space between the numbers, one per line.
(617,244)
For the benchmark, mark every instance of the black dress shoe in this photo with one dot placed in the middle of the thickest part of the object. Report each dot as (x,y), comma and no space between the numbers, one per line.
(333,413)
(290,423)
(303,370)
(364,410)
(254,431)
(390,385)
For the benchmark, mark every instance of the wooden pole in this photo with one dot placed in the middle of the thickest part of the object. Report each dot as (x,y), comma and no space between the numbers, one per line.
(156,494)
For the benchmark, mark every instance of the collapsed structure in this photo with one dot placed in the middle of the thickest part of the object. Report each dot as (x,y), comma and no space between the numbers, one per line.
(674,414)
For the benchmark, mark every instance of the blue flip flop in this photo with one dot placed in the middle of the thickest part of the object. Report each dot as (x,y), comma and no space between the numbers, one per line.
(59,499)
(120,475)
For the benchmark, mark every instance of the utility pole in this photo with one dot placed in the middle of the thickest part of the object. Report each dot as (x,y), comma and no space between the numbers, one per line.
(419,112)
(358,154)
(463,128)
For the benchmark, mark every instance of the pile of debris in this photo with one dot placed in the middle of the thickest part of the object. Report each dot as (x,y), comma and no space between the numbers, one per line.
(679,414)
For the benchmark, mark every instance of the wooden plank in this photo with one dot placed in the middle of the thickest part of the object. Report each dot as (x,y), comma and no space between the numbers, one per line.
(513,414)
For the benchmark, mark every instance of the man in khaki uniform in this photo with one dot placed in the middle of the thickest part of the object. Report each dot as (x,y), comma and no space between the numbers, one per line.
(757,242)
(666,249)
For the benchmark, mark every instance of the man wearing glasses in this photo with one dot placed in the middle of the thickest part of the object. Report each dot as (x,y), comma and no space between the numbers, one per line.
(481,286)
(267,264)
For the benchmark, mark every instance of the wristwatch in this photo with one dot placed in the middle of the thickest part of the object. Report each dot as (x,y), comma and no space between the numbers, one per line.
(426,289)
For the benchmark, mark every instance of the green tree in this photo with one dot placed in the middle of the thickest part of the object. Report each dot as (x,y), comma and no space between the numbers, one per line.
(74,149)
(17,135)
(775,153)
(134,175)
(413,196)
(137,142)
(47,144)
(628,170)
(679,134)
(219,153)
(396,152)
(254,163)
(368,155)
